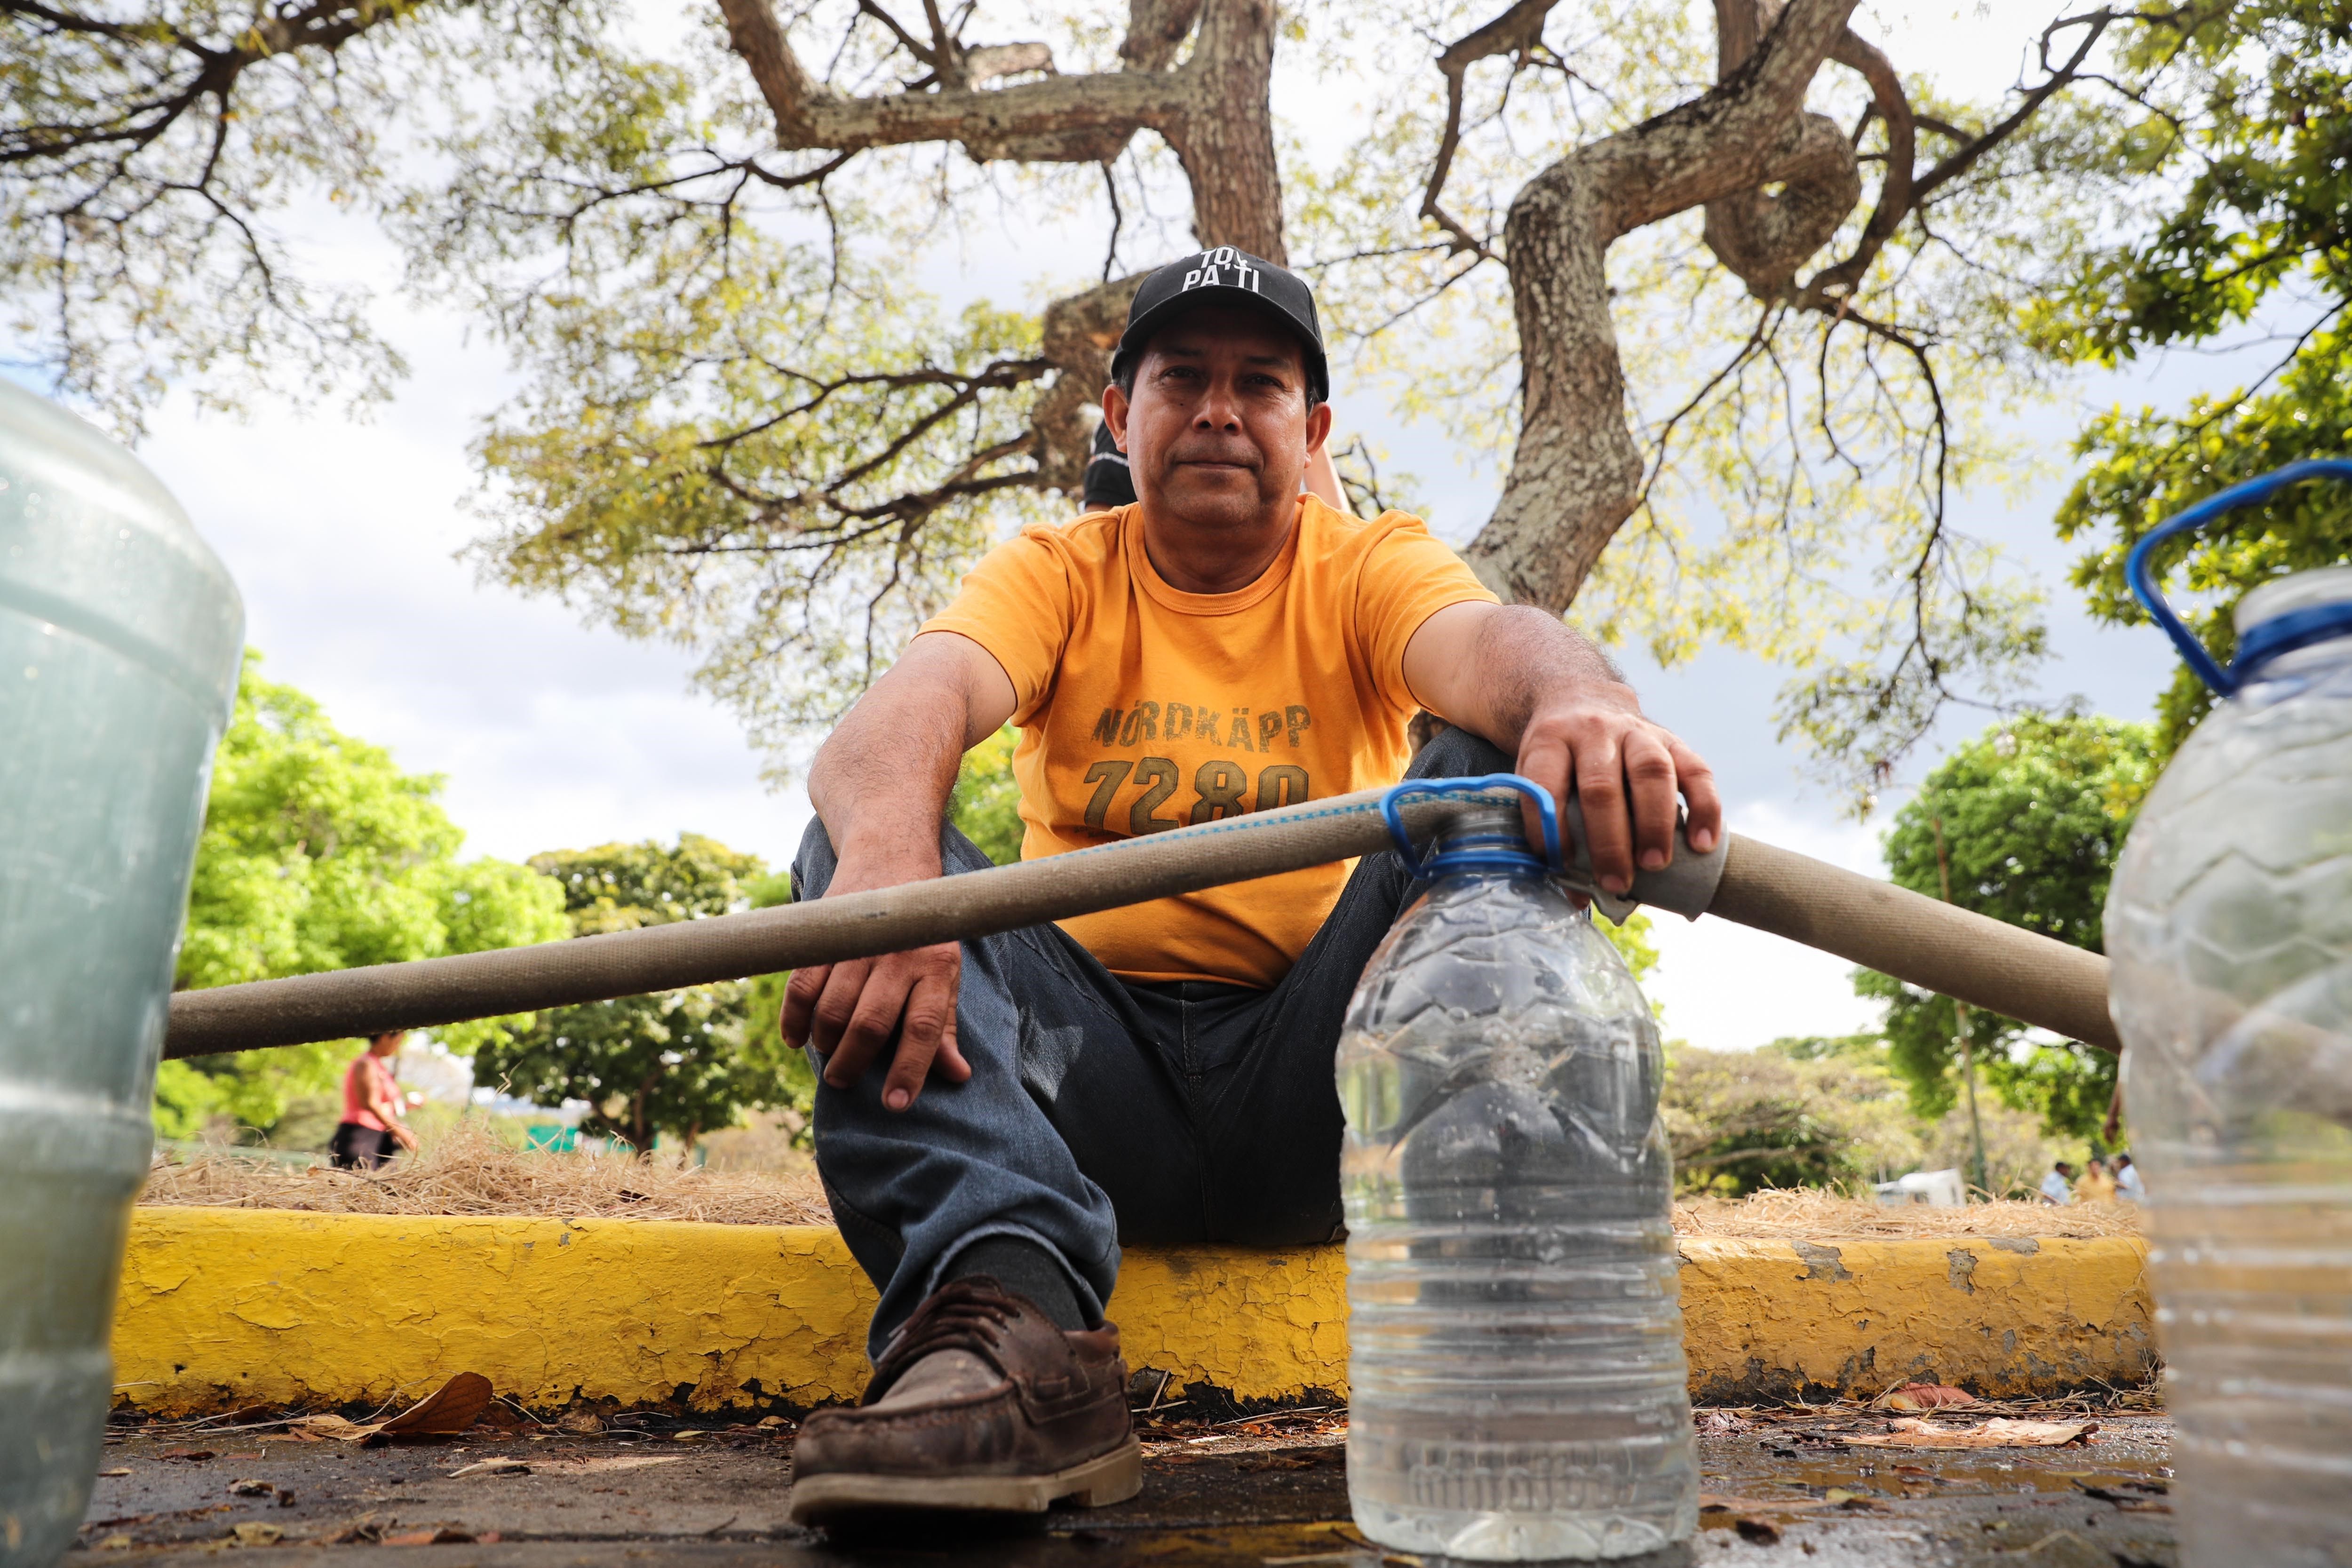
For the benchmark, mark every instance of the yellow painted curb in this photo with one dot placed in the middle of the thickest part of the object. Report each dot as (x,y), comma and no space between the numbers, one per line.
(221,1308)
(1996,1315)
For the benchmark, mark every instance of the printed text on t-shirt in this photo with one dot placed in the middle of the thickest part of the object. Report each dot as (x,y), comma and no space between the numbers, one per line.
(1231,727)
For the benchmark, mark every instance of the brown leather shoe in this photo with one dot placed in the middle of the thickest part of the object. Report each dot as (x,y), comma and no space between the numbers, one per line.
(978,1404)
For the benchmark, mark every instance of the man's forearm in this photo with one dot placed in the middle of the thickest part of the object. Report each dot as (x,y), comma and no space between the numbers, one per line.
(1525,659)
(882,780)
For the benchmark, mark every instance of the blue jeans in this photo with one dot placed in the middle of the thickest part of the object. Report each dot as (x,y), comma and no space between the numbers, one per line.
(1103,1110)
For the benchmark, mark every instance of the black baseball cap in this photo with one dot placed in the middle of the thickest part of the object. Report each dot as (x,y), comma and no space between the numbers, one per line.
(1222,275)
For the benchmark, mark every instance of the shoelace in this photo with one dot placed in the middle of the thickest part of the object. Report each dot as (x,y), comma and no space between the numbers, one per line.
(966,1315)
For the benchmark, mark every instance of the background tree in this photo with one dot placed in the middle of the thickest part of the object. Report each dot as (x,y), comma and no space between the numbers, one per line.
(680,1062)
(1742,1120)
(144,151)
(720,481)
(2033,813)
(318,853)
(2239,136)
(1809,367)
(743,429)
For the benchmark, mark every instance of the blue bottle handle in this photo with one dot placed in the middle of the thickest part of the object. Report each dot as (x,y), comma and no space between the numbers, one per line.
(2292,631)
(1392,802)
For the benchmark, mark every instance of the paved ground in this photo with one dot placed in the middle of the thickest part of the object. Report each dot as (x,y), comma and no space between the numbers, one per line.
(1788,1488)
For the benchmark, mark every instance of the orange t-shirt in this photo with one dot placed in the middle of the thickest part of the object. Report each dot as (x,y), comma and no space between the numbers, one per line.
(1142,707)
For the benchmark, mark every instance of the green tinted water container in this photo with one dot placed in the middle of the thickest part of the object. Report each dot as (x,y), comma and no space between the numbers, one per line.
(119,638)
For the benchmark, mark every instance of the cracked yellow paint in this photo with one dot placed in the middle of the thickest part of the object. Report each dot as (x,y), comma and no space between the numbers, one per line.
(1773,1319)
(227,1307)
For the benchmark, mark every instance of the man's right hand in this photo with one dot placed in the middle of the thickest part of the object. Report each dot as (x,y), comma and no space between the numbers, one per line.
(851,1011)
(881,784)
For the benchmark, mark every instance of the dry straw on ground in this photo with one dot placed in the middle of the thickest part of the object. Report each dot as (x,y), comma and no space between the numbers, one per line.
(1811,1213)
(465,1170)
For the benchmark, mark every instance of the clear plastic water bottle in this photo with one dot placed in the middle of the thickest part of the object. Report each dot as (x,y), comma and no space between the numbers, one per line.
(1518,1386)
(119,634)
(2228,925)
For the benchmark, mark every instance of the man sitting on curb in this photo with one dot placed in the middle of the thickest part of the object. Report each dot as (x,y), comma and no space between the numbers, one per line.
(995,1119)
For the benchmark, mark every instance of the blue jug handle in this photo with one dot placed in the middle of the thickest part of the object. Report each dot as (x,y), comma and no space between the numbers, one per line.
(2136,571)
(1394,798)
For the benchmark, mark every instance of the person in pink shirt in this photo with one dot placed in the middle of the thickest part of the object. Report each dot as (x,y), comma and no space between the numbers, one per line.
(370,1126)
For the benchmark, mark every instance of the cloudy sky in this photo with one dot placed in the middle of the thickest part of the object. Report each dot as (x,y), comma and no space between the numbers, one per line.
(345,537)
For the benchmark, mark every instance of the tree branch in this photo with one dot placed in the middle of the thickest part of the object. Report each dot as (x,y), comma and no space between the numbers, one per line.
(1514,32)
(1065,119)
(1577,473)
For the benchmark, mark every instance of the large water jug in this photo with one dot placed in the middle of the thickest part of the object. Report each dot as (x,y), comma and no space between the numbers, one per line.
(2228,926)
(1518,1389)
(120,636)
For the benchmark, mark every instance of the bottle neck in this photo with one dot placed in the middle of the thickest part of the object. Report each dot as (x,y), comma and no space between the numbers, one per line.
(1483,840)
(2291,616)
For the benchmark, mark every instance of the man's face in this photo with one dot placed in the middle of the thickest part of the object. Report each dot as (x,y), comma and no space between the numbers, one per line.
(1217,431)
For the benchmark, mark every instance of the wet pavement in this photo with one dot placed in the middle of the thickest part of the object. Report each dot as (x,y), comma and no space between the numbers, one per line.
(1787,1487)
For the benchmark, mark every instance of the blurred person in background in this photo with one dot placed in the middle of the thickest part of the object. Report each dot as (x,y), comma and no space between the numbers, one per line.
(2058,1186)
(2129,1187)
(370,1128)
(1109,483)
(2096,1186)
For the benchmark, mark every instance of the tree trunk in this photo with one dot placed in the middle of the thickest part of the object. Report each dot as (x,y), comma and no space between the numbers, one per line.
(1081,330)
(1761,237)
(1224,134)
(1576,475)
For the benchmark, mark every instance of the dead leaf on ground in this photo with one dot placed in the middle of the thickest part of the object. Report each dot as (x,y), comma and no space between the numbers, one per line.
(2000,1432)
(579,1422)
(114,1472)
(445,1536)
(1756,1531)
(1926,1397)
(187,1455)
(252,1534)
(115,1544)
(1257,1463)
(250,1489)
(447,1410)
(559,1467)
(451,1407)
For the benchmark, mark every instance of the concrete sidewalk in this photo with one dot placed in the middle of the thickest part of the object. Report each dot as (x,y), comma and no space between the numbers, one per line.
(1792,1489)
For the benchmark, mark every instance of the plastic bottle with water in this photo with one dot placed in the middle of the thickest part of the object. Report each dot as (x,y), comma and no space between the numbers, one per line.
(1514,1334)
(2229,928)
(119,634)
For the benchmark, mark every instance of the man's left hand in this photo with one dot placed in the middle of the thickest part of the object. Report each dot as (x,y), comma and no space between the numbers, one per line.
(1626,772)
